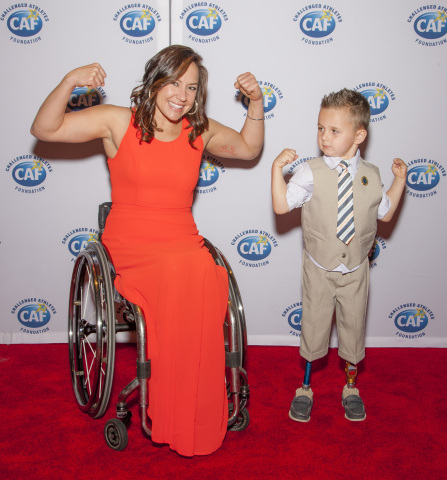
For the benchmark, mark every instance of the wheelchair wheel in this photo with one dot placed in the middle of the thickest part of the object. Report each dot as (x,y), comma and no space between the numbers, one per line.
(243,419)
(115,433)
(235,311)
(235,335)
(91,330)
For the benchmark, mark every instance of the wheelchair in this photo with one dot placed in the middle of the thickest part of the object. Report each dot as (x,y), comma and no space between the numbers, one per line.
(97,312)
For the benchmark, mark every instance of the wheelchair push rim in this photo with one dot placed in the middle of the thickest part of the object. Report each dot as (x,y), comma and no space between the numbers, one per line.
(91,330)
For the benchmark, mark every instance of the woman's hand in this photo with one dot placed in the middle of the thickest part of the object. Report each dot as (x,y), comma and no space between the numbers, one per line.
(249,86)
(91,76)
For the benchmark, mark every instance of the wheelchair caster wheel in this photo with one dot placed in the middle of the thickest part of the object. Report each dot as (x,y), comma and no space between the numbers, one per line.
(242,421)
(115,433)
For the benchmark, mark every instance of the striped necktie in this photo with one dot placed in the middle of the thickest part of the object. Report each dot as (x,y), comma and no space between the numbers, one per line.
(345,218)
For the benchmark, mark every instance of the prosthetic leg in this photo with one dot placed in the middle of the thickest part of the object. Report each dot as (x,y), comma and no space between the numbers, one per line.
(351,374)
(351,401)
(303,401)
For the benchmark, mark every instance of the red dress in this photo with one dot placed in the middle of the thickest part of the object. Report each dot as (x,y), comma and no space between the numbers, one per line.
(163,266)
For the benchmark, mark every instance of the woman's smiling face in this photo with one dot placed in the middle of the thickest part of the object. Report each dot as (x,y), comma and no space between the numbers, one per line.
(176,99)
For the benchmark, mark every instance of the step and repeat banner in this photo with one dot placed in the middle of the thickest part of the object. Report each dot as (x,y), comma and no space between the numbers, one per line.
(394,53)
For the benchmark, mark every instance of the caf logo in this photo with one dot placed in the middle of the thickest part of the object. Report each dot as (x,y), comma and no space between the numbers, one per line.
(318,24)
(204,22)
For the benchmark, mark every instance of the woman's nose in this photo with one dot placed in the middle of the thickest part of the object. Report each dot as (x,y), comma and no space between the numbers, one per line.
(182,94)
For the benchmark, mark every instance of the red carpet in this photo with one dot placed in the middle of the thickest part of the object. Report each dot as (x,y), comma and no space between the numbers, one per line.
(46,436)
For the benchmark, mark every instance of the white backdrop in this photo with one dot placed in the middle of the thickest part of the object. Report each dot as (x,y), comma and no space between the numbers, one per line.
(394,53)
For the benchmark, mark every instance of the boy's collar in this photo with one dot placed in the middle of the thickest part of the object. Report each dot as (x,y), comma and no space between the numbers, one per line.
(332,162)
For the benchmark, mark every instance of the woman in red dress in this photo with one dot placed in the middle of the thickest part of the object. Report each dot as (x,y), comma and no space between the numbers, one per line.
(154,152)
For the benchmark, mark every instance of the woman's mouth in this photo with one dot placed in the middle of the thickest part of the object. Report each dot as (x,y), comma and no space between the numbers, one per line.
(175,106)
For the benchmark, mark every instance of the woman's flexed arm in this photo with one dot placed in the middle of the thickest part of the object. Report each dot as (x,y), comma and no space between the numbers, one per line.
(53,124)
(246,144)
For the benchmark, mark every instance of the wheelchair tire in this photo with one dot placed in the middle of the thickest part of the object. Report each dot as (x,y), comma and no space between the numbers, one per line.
(115,433)
(91,330)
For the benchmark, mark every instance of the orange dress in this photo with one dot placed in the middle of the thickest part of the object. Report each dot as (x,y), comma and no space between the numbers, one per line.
(163,266)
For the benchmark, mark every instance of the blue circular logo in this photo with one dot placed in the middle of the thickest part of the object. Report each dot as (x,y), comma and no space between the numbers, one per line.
(83,97)
(138,23)
(317,24)
(294,319)
(34,315)
(377,99)
(204,22)
(431,25)
(29,174)
(79,242)
(25,23)
(209,174)
(256,247)
(412,320)
(423,177)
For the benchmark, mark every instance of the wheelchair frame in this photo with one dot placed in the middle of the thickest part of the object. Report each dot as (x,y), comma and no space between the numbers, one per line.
(92,329)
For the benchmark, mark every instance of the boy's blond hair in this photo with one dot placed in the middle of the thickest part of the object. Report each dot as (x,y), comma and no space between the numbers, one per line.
(355,102)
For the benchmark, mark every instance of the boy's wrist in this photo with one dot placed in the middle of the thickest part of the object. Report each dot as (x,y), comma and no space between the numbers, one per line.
(400,179)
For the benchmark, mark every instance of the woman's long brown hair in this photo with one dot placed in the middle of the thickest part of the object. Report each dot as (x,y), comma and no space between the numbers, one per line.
(165,67)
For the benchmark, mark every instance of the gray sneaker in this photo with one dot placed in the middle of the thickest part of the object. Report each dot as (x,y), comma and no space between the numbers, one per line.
(301,405)
(353,404)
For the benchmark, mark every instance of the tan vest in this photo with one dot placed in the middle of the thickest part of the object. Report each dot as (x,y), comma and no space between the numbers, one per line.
(319,215)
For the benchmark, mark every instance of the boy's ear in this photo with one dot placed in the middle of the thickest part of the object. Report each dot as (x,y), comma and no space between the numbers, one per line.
(360,136)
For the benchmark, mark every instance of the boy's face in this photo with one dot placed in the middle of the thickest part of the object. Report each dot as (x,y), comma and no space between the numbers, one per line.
(336,134)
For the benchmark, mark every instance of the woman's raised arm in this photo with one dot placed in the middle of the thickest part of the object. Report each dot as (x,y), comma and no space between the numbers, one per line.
(53,124)
(246,144)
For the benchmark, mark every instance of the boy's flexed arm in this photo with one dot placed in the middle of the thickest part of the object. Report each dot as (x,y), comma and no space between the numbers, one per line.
(399,169)
(279,186)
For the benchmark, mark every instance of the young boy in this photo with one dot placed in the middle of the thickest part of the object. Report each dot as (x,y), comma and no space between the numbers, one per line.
(341,197)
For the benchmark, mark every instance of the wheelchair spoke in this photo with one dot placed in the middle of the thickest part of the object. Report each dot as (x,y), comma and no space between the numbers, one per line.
(92,317)
(87,376)
(85,300)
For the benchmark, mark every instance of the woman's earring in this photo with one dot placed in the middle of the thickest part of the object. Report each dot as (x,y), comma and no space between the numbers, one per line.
(195,111)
